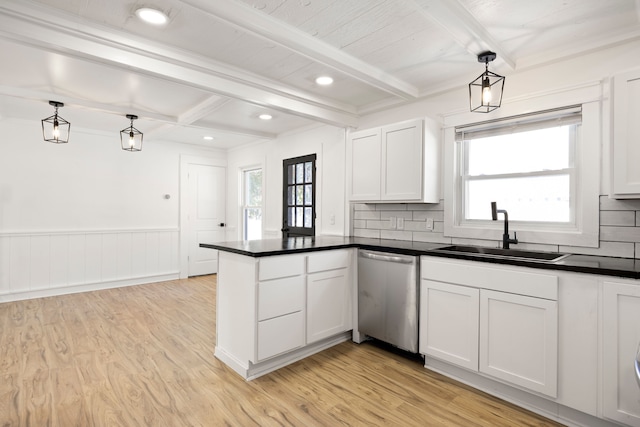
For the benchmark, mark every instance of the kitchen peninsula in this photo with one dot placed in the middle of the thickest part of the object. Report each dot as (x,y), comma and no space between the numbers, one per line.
(279,301)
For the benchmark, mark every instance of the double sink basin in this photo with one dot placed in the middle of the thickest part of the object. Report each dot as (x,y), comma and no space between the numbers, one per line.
(514,254)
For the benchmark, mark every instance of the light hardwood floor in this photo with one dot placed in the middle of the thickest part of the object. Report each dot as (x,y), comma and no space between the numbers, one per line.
(143,356)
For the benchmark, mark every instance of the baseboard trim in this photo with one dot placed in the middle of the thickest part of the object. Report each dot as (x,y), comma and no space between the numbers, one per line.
(85,287)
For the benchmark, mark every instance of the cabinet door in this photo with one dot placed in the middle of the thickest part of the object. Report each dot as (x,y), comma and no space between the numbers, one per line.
(449,316)
(402,146)
(621,340)
(626,149)
(365,165)
(280,334)
(328,304)
(519,340)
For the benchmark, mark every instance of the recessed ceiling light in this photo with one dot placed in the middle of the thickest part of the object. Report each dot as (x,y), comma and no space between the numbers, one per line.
(265,117)
(152,16)
(208,138)
(324,80)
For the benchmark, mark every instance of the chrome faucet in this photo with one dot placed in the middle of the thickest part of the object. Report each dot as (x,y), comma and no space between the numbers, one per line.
(506,240)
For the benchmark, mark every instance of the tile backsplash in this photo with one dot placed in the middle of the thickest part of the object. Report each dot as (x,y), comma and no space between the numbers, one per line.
(619,227)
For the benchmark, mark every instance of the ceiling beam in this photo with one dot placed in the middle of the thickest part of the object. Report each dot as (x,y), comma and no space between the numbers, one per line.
(464,28)
(39,95)
(259,24)
(206,107)
(53,31)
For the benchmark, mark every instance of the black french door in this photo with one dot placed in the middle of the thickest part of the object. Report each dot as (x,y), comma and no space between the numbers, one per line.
(299,196)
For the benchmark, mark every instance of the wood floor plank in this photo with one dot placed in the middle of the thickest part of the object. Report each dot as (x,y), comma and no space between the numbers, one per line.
(143,356)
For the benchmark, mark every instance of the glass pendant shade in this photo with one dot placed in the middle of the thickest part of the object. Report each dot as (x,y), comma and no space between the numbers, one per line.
(131,138)
(55,129)
(485,92)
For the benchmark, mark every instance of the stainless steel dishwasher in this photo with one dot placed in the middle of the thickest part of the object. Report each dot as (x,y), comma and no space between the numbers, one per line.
(388,298)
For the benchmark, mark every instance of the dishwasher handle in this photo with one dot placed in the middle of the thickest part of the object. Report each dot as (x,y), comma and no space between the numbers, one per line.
(387,257)
(637,365)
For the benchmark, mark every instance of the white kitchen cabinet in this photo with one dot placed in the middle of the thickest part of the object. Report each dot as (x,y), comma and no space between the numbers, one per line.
(450,323)
(274,310)
(499,321)
(329,303)
(396,163)
(625,146)
(519,340)
(280,305)
(366,152)
(621,341)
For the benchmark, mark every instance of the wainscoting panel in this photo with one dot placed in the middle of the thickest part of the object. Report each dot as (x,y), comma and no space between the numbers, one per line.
(35,264)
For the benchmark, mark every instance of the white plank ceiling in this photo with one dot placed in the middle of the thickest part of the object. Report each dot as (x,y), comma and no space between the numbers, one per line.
(219,64)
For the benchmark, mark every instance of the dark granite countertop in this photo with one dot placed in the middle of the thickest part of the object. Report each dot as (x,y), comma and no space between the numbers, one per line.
(607,266)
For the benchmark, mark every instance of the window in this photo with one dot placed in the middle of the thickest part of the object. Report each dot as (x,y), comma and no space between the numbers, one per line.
(299,196)
(543,168)
(527,165)
(252,205)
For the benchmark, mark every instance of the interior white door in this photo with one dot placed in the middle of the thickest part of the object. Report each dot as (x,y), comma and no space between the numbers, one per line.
(205,216)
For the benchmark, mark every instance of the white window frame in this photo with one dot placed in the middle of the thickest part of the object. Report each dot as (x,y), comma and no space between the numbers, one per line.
(585,228)
(243,194)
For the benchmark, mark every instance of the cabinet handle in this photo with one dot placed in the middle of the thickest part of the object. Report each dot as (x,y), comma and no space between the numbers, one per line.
(637,365)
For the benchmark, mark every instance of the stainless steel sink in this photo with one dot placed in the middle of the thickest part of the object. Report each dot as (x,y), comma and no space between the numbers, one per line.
(504,253)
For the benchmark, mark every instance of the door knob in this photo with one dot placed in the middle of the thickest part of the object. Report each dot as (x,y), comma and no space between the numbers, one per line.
(222,224)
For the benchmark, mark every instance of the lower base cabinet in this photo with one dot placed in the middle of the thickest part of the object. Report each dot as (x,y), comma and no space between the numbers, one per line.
(449,323)
(621,344)
(329,300)
(274,310)
(467,320)
(519,340)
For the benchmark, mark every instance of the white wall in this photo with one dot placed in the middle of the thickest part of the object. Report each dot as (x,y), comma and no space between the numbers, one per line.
(86,214)
(328,143)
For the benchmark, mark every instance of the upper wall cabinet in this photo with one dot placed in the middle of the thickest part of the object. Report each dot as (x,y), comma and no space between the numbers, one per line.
(625,144)
(396,163)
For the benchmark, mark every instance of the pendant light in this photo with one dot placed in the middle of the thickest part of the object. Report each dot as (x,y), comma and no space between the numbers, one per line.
(55,129)
(131,138)
(485,92)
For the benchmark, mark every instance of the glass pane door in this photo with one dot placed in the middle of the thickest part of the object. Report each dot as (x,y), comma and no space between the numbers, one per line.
(299,196)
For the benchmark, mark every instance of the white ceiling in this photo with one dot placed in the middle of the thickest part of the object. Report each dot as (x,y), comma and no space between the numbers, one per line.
(218,64)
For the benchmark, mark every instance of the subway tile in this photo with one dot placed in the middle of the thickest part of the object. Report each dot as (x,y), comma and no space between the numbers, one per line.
(618,218)
(378,225)
(366,215)
(395,214)
(423,215)
(619,234)
(615,249)
(429,237)
(362,232)
(415,226)
(395,234)
(637,250)
(607,204)
(359,223)
(438,227)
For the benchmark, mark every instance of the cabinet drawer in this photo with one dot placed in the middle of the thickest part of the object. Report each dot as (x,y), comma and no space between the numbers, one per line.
(274,267)
(495,277)
(280,334)
(279,297)
(329,260)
